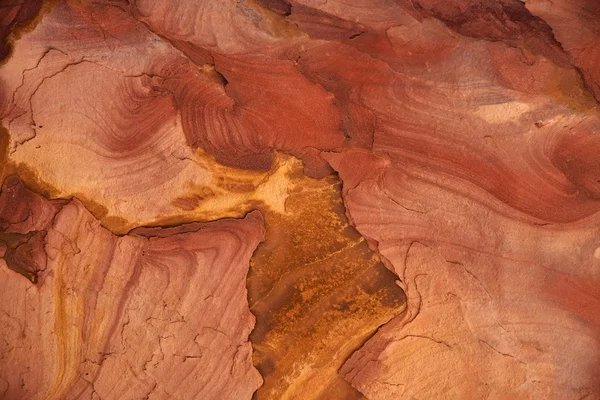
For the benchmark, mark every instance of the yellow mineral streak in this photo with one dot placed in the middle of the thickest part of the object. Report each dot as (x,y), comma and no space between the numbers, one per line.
(202,190)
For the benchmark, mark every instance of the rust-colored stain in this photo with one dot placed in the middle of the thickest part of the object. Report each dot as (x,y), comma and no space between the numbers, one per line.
(318,292)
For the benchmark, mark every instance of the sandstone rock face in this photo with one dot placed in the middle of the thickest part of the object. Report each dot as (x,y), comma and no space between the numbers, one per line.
(159,312)
(425,175)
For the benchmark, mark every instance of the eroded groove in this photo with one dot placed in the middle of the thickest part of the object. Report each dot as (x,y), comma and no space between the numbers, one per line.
(317,292)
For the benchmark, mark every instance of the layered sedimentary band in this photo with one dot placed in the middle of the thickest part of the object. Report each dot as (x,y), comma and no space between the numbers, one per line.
(425,174)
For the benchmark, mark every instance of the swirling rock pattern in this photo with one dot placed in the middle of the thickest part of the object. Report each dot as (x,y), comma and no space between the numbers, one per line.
(465,134)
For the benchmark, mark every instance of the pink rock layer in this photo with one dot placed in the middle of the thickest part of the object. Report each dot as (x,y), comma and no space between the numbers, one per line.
(465,132)
(158,313)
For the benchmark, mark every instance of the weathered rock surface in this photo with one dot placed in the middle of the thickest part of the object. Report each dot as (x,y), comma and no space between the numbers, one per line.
(157,313)
(318,293)
(576,26)
(466,137)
